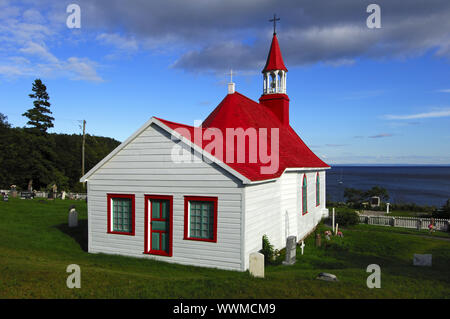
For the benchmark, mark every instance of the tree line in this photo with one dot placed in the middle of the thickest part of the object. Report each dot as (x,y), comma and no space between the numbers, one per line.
(31,156)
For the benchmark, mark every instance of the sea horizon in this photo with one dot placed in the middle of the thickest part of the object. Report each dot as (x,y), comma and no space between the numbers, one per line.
(420,184)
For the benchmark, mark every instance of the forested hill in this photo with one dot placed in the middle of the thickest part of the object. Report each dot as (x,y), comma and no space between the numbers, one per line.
(47,158)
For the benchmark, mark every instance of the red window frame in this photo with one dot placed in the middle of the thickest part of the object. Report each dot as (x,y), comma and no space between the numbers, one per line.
(109,212)
(186,216)
(306,193)
(147,249)
(317,190)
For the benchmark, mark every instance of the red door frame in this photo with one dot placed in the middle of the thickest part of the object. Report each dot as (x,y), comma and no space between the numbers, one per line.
(147,238)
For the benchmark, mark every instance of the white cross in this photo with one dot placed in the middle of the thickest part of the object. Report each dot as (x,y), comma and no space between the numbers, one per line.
(231,75)
(302,246)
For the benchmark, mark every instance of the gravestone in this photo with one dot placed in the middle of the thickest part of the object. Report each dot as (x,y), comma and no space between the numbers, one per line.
(73,217)
(256,266)
(291,250)
(63,195)
(54,190)
(5,198)
(422,260)
(419,224)
(302,246)
(327,277)
(13,191)
(318,243)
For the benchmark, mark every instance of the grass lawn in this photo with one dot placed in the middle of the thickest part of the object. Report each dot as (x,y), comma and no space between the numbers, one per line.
(36,246)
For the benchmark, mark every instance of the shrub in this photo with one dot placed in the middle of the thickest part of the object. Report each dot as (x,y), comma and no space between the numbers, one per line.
(267,250)
(346,218)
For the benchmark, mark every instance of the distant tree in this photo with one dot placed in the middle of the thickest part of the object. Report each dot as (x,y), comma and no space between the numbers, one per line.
(38,118)
(377,191)
(4,122)
(444,212)
(353,195)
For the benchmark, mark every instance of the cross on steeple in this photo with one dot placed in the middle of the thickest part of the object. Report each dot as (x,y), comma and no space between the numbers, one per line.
(274,20)
(231,75)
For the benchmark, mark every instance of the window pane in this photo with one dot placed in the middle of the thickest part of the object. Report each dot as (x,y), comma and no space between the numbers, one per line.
(122,214)
(201,219)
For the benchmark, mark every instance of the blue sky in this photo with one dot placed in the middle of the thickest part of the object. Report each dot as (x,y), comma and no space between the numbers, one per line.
(358,95)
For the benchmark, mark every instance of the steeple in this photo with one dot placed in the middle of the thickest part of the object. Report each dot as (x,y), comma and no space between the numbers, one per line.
(274,81)
(274,71)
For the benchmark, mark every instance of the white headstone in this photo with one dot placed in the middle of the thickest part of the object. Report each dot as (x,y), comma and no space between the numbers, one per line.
(337,229)
(422,260)
(63,195)
(256,266)
(291,250)
(387,208)
(73,218)
(302,246)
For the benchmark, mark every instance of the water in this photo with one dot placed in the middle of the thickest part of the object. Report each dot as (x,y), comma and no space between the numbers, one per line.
(423,185)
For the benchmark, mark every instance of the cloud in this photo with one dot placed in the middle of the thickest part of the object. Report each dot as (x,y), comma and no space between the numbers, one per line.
(381,135)
(431,114)
(119,41)
(444,91)
(213,35)
(27,35)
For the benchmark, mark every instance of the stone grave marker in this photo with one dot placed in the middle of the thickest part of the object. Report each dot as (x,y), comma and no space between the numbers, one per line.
(327,277)
(302,246)
(256,266)
(291,250)
(422,259)
(73,217)
(318,240)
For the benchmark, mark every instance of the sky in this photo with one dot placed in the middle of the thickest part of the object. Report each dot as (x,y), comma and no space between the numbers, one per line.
(358,95)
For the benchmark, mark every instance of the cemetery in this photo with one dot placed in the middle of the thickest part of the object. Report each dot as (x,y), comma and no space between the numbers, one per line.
(42,237)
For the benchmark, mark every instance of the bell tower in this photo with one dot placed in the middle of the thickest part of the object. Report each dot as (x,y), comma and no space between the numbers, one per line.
(274,80)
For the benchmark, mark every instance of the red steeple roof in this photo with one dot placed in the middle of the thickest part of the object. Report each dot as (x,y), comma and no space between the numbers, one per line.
(238,111)
(274,59)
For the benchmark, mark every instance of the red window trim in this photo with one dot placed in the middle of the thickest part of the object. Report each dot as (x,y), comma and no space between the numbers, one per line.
(186,216)
(306,200)
(109,199)
(147,250)
(317,182)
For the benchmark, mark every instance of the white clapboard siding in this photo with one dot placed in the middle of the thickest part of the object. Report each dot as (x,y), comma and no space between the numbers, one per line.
(145,166)
(273,209)
(307,222)
(262,216)
(289,204)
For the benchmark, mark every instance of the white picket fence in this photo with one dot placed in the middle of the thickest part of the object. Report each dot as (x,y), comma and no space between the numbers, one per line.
(405,222)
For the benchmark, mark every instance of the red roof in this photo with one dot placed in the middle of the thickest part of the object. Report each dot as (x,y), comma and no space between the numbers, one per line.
(274,59)
(238,111)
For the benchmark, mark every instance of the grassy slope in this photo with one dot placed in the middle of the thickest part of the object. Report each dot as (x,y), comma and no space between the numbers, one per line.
(36,247)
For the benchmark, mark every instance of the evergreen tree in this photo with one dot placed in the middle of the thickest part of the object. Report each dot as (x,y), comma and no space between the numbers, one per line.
(38,118)
(4,122)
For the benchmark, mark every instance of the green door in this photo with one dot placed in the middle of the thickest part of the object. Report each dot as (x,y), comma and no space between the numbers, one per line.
(160,227)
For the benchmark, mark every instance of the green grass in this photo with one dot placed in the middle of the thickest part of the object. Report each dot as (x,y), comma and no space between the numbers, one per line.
(36,246)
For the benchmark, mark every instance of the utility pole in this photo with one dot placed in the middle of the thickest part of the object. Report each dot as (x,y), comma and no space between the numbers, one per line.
(82,150)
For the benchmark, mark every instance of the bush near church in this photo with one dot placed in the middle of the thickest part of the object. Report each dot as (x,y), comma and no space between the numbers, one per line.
(345,218)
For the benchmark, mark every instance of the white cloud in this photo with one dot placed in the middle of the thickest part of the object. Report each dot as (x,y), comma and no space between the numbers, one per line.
(444,91)
(26,36)
(119,41)
(432,114)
